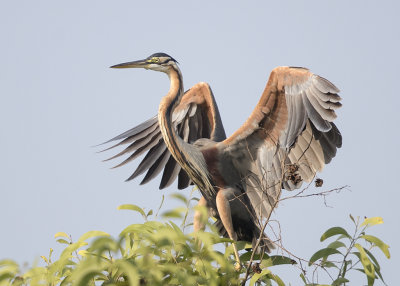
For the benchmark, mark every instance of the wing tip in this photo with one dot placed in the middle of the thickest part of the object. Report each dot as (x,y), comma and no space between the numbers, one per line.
(325,85)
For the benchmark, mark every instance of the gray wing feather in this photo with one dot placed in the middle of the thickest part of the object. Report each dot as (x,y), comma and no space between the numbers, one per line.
(144,147)
(324,85)
(315,117)
(183,180)
(309,140)
(326,114)
(156,168)
(297,117)
(171,171)
(150,158)
(190,124)
(140,140)
(157,157)
(172,168)
(134,137)
(135,130)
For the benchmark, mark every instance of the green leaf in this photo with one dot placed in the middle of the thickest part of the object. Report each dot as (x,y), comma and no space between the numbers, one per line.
(44,258)
(328,264)
(6,276)
(180,197)
(132,208)
(176,228)
(334,231)
(359,269)
(303,278)
(376,265)
(340,281)
(175,213)
(340,237)
(8,263)
(245,256)
(61,234)
(257,276)
(150,212)
(136,228)
(8,270)
(346,263)
(374,261)
(336,244)
(352,218)
(372,221)
(91,234)
(277,279)
(369,279)
(322,253)
(244,245)
(276,260)
(66,253)
(62,241)
(366,262)
(378,271)
(130,271)
(83,252)
(86,277)
(153,224)
(377,242)
(161,204)
(102,244)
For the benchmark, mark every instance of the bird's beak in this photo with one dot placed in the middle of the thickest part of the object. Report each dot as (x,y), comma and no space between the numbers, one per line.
(135,64)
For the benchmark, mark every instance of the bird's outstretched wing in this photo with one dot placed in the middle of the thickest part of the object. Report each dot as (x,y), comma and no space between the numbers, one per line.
(196,117)
(288,137)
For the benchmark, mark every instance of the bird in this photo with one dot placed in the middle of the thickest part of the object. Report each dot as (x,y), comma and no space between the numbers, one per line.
(287,139)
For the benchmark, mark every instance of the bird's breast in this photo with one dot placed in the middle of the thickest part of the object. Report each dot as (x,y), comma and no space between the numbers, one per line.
(211,156)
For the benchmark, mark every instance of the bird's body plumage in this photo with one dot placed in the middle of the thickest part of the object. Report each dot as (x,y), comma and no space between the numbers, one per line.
(287,139)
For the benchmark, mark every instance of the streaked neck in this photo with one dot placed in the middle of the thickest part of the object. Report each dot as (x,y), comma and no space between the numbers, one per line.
(166,108)
(188,157)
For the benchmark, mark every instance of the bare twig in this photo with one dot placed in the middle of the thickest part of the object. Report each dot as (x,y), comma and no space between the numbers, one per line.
(323,193)
(258,243)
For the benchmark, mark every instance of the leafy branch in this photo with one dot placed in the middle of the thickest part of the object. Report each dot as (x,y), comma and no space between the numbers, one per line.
(159,252)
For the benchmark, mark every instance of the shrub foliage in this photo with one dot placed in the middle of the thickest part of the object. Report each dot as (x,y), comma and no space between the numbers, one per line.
(160,252)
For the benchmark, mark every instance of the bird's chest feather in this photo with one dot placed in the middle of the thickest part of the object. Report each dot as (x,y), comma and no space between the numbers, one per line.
(211,156)
(220,168)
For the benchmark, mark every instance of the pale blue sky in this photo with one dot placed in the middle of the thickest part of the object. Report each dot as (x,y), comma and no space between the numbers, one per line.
(58,98)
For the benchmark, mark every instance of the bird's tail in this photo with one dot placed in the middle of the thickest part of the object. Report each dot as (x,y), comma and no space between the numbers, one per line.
(265,244)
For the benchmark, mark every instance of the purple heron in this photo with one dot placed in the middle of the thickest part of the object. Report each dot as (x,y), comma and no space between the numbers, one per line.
(287,139)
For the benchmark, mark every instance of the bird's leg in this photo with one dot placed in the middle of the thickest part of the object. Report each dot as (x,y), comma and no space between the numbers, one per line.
(198,220)
(198,223)
(224,211)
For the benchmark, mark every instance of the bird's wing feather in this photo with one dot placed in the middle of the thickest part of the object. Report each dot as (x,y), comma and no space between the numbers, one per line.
(291,127)
(196,117)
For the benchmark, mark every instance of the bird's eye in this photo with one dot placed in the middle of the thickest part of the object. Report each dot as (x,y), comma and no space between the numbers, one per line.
(153,60)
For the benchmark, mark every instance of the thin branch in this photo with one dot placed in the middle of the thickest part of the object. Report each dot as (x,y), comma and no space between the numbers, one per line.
(258,243)
(324,194)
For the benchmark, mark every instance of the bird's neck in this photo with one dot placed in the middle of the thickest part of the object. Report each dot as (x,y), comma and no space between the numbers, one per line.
(166,108)
(188,156)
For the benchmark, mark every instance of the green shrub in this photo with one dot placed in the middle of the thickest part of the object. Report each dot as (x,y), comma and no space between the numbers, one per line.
(159,252)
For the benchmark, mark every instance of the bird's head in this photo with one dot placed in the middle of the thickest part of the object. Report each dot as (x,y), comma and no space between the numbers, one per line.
(157,62)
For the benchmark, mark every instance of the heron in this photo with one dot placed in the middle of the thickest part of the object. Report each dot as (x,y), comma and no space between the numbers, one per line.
(288,138)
